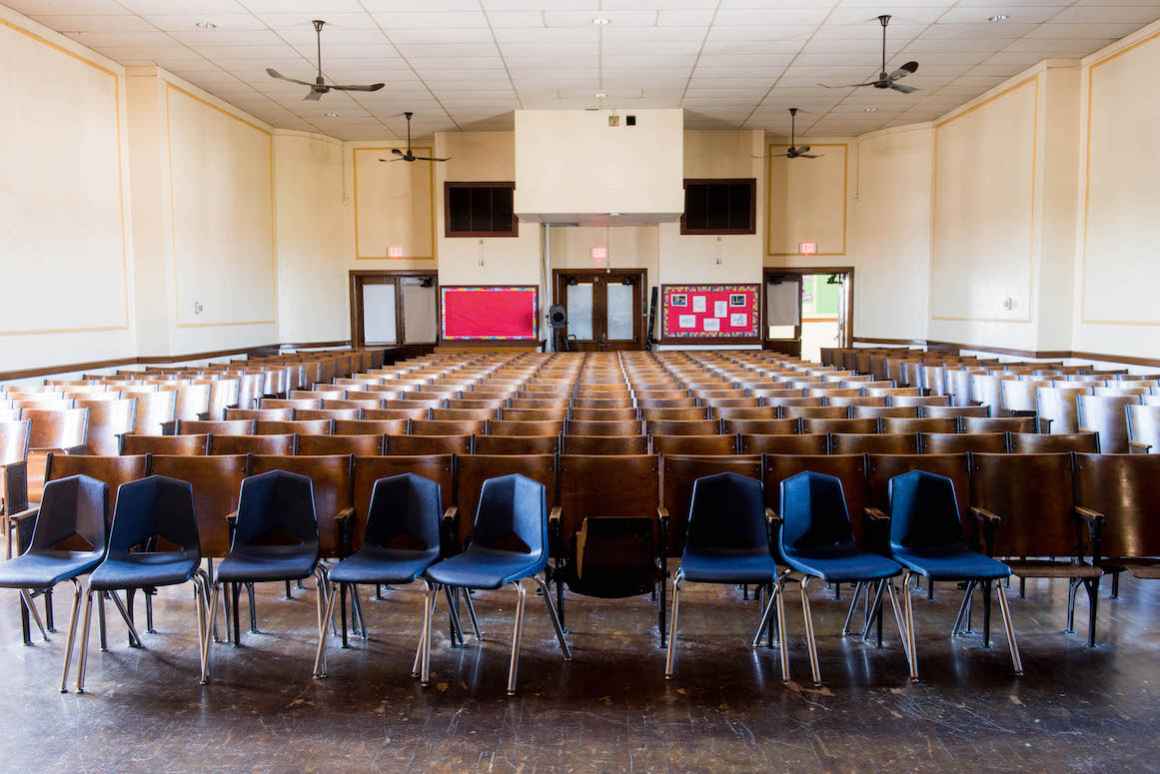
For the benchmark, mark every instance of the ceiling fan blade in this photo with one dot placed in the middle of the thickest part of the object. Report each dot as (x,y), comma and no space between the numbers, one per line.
(808,156)
(903,88)
(430,158)
(803,149)
(847,85)
(371,87)
(313,96)
(270,71)
(780,155)
(910,67)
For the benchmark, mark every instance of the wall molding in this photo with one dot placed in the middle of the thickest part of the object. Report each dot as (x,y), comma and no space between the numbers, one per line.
(769,157)
(1051,354)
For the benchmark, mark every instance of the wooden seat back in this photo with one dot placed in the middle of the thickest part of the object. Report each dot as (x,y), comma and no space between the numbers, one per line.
(180,445)
(107,421)
(605,444)
(1107,415)
(757,443)
(217,482)
(694,444)
(1040,443)
(284,443)
(1033,494)
(811,425)
(999,425)
(873,443)
(516,444)
(920,425)
(320,445)
(410,445)
(112,470)
(333,478)
(1125,488)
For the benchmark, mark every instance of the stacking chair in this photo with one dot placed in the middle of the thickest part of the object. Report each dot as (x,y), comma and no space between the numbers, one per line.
(275,540)
(109,421)
(510,543)
(927,539)
(153,542)
(400,542)
(816,540)
(73,508)
(1125,490)
(727,542)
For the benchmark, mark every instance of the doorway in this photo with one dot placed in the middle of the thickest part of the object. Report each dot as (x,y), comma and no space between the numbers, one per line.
(605,308)
(808,309)
(393,308)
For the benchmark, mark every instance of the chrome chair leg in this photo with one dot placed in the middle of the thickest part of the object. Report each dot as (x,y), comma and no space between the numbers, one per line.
(858,589)
(134,637)
(202,625)
(215,593)
(908,607)
(72,633)
(811,643)
(417,665)
(783,645)
(356,609)
(470,605)
(673,627)
(320,608)
(765,615)
(26,598)
(253,608)
(874,603)
(327,619)
(517,634)
(564,648)
(898,622)
(1009,628)
(85,626)
(962,614)
(428,614)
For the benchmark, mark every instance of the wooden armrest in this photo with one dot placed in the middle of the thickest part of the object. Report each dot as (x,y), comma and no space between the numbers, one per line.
(663,513)
(232,516)
(984,515)
(451,514)
(1139,447)
(771,516)
(344,514)
(877,514)
(555,513)
(28,513)
(1088,515)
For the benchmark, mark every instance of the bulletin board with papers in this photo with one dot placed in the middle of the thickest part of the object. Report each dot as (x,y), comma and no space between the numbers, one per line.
(711,313)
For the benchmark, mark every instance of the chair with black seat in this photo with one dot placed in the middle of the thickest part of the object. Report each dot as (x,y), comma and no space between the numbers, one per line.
(1038,443)
(73,509)
(927,539)
(275,538)
(400,542)
(1026,504)
(816,540)
(153,542)
(509,544)
(727,541)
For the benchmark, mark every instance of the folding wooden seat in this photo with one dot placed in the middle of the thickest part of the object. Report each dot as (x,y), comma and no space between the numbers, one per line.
(107,421)
(260,415)
(604,444)
(183,445)
(525,428)
(223,394)
(193,400)
(432,397)
(849,468)
(918,400)
(863,400)
(958,443)
(460,415)
(33,396)
(296,427)
(999,425)
(14,436)
(217,483)
(362,444)
(291,403)
(761,426)
(790,406)
(883,467)
(369,427)
(448,427)
(516,444)
(347,404)
(1125,490)
(733,403)
(1040,443)
(607,533)
(624,427)
(623,402)
(694,444)
(327,414)
(654,414)
(253,444)
(251,386)
(1026,507)
(216,427)
(745,412)
(666,403)
(816,412)
(920,425)
(394,414)
(1106,415)
(678,427)
(660,394)
(412,404)
(428,444)
(873,443)
(835,392)
(870,412)
(955,411)
(46,404)
(473,470)
(475,404)
(1118,390)
(320,393)
(1144,428)
(679,474)
(811,425)
(57,429)
(332,479)
(815,443)
(1019,395)
(777,393)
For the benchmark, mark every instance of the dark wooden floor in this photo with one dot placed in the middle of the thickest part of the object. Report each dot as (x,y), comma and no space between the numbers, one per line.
(1076,709)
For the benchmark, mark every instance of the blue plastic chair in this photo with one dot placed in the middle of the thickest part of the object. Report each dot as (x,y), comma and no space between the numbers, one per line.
(926,538)
(401,540)
(275,539)
(154,511)
(727,542)
(72,507)
(509,543)
(816,540)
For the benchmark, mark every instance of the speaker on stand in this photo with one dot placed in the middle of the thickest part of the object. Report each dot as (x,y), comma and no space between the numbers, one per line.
(558,321)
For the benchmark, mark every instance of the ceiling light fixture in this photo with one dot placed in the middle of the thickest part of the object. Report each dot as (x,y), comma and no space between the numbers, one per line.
(870,109)
(600,21)
(205,25)
(601,95)
(998,18)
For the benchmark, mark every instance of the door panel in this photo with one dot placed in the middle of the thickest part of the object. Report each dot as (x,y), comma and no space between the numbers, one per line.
(604,308)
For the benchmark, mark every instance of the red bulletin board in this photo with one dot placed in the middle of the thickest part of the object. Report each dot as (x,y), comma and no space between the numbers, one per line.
(489,312)
(710,312)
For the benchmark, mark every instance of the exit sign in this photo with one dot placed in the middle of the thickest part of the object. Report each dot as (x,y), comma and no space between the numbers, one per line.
(808,248)
(600,257)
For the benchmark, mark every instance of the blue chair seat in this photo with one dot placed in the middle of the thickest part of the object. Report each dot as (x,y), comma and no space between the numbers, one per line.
(46,568)
(959,565)
(727,567)
(850,568)
(259,564)
(147,569)
(485,568)
(383,565)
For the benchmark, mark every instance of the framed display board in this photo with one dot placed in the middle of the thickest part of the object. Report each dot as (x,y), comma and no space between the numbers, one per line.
(711,314)
(489,312)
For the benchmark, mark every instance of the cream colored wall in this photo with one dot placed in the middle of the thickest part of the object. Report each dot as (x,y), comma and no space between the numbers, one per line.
(312,279)
(1117,271)
(808,200)
(66,253)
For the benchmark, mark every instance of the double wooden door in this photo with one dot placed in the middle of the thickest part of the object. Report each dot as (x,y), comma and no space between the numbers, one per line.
(605,308)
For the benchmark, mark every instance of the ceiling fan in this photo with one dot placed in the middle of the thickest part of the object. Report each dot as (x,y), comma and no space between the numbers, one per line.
(320,86)
(886,80)
(795,151)
(409,155)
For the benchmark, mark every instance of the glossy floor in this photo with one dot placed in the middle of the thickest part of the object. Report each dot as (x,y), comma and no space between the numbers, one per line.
(610,709)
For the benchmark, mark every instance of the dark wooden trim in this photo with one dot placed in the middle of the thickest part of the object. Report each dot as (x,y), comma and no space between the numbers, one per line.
(720,341)
(534,339)
(96,365)
(356,277)
(898,342)
(751,181)
(804,270)
(1047,354)
(449,234)
(639,306)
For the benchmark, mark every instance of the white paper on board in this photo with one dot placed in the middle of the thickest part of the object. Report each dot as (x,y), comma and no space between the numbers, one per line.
(739,320)
(699,303)
(711,325)
(687,321)
(720,308)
